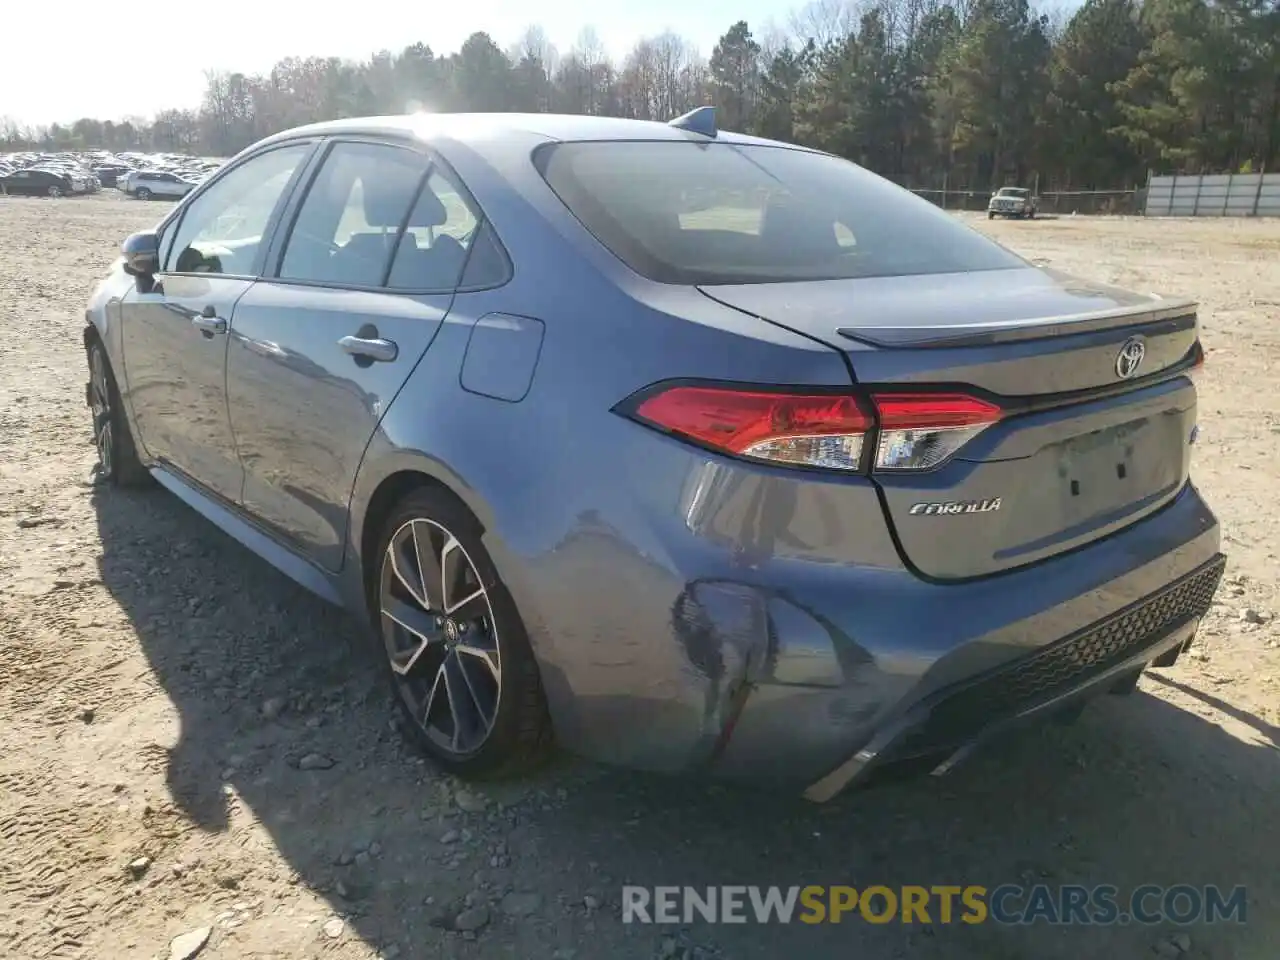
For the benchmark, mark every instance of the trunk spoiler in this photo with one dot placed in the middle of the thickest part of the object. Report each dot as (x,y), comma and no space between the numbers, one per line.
(1170,315)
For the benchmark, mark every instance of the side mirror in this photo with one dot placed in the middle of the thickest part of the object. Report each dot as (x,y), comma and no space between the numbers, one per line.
(141,254)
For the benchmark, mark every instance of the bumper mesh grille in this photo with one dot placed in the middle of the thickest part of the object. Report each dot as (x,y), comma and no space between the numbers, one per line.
(1063,666)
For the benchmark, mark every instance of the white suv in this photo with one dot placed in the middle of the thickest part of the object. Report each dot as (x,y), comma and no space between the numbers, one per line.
(145,184)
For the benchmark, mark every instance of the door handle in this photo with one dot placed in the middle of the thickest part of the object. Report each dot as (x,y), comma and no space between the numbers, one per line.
(370,348)
(209,322)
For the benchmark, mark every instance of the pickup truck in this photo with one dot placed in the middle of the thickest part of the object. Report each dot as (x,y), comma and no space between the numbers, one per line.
(1013,202)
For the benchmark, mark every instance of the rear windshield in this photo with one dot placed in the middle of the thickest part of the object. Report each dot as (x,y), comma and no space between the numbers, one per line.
(682,212)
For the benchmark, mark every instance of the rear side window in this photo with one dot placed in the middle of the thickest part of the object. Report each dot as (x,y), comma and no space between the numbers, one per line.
(487,266)
(695,213)
(438,234)
(347,228)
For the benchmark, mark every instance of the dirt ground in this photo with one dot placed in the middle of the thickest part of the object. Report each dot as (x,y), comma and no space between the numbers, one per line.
(158,685)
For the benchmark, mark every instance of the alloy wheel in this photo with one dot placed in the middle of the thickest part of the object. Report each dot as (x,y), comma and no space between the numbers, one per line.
(103,437)
(439,631)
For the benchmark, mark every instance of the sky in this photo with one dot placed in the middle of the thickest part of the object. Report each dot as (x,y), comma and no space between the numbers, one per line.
(105,65)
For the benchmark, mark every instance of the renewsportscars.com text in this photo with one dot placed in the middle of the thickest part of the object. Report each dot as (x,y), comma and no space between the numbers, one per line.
(1006,904)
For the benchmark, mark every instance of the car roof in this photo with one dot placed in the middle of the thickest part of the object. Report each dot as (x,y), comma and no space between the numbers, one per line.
(475,129)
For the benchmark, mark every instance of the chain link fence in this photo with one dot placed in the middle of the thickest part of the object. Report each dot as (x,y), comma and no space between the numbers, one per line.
(1052,202)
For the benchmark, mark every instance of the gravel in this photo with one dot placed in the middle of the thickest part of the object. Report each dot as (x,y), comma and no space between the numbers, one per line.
(472,919)
(187,945)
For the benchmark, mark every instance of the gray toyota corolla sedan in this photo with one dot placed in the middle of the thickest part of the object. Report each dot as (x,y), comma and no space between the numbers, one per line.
(682,449)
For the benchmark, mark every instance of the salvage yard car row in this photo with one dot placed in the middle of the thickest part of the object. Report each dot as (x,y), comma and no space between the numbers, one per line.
(67,174)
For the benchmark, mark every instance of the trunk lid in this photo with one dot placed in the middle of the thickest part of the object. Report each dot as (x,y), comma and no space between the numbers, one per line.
(1087,445)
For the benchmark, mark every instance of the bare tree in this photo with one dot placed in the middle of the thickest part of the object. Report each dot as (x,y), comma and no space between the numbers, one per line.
(589,49)
(534,44)
(584,77)
(12,133)
(638,82)
(1057,15)
(824,21)
(675,62)
(773,40)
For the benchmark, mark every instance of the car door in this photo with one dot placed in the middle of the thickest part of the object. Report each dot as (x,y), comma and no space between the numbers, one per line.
(43,180)
(174,331)
(21,182)
(171,186)
(365,278)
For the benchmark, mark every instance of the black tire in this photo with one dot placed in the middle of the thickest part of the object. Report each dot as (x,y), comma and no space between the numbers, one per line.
(142,193)
(990,215)
(520,738)
(118,461)
(55,191)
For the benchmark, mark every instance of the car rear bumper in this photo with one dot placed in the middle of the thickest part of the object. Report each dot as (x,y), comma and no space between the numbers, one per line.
(972,659)
(947,726)
(814,671)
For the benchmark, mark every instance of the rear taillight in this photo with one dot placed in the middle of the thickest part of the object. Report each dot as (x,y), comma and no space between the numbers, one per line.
(907,431)
(813,430)
(920,431)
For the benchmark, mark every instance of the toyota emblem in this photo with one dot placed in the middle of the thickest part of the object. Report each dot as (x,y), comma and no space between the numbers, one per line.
(1129,359)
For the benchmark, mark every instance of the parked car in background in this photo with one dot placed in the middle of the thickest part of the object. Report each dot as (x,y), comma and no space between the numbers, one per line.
(1013,202)
(45,183)
(98,168)
(148,184)
(82,180)
(690,450)
(109,174)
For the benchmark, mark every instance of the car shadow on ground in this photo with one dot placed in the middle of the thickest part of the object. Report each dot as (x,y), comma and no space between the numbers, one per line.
(263,675)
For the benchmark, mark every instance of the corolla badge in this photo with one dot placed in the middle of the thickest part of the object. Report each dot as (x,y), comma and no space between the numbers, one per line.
(1130,357)
(951,507)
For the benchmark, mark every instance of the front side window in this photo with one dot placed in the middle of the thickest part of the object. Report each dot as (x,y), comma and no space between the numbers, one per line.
(164,240)
(222,229)
(348,225)
(720,213)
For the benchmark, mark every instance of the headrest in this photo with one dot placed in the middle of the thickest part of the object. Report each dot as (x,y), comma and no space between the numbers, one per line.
(788,223)
(384,205)
(428,211)
(383,202)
